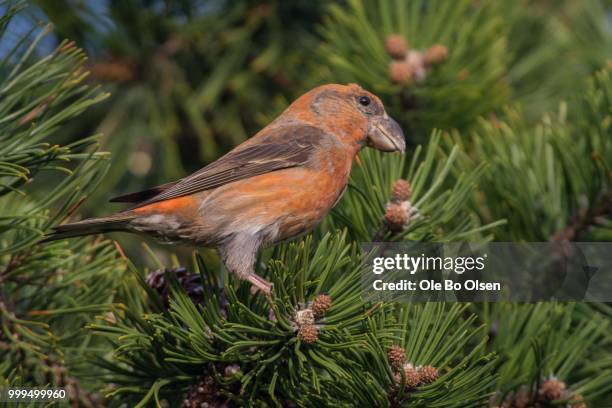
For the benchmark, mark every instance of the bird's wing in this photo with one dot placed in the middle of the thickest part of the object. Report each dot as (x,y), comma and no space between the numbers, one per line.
(140,196)
(283,148)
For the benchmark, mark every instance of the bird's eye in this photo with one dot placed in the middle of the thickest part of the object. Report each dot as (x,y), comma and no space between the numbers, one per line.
(364,100)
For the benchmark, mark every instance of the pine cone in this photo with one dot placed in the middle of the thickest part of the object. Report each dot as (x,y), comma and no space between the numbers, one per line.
(429,374)
(401,190)
(304,317)
(577,401)
(522,399)
(190,282)
(396,355)
(551,390)
(396,217)
(396,46)
(308,333)
(416,61)
(156,280)
(321,304)
(205,394)
(436,54)
(400,72)
(231,370)
(412,375)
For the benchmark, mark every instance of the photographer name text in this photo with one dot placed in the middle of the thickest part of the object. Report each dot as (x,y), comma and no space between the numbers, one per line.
(426,285)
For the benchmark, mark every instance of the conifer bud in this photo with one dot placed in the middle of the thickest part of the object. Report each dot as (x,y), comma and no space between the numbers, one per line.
(396,46)
(429,374)
(401,191)
(412,376)
(396,355)
(400,72)
(190,282)
(304,317)
(577,401)
(522,399)
(436,54)
(308,333)
(396,217)
(231,370)
(321,304)
(551,390)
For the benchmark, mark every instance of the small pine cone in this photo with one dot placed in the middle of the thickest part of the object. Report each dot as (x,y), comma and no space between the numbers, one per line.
(396,46)
(190,282)
(308,333)
(577,401)
(551,390)
(416,61)
(400,72)
(304,317)
(401,191)
(522,399)
(436,54)
(231,370)
(412,375)
(156,280)
(396,217)
(321,304)
(396,355)
(428,374)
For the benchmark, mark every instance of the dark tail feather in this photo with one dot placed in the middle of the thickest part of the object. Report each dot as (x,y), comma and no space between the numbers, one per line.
(90,226)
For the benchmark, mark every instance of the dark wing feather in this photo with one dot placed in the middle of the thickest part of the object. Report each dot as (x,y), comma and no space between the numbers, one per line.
(284,148)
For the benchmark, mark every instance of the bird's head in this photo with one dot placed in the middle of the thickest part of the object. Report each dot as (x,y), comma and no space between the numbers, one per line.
(352,113)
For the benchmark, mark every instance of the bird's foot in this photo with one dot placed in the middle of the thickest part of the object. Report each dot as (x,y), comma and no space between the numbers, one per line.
(260,284)
(265,287)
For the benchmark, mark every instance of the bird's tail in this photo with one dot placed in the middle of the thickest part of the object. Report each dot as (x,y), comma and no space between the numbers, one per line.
(115,222)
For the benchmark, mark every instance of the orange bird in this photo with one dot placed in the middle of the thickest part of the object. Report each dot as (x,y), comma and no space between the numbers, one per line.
(274,186)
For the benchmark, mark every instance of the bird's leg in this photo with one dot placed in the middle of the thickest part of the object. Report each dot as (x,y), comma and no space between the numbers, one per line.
(239,254)
(260,283)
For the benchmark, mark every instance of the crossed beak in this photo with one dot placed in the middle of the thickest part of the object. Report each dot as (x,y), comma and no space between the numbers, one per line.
(386,135)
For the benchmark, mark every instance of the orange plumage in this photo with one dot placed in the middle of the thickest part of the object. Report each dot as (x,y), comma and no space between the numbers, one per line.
(276,185)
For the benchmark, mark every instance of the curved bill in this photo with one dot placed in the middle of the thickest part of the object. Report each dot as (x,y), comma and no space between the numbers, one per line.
(386,135)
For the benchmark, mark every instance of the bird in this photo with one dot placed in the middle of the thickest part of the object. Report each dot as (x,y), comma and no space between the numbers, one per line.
(275,186)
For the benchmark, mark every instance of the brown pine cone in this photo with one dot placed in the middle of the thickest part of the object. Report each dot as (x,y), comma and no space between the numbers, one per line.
(522,399)
(400,72)
(436,54)
(551,390)
(396,217)
(321,304)
(396,46)
(577,401)
(396,355)
(429,374)
(401,190)
(412,375)
(304,317)
(308,333)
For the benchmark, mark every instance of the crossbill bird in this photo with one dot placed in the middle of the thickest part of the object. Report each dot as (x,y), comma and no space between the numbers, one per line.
(276,185)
